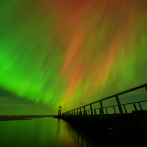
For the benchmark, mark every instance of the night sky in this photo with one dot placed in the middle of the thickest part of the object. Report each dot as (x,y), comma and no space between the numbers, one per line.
(69,52)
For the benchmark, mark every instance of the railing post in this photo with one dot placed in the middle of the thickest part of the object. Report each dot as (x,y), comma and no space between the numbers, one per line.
(80,111)
(74,111)
(91,109)
(135,107)
(84,110)
(95,112)
(114,109)
(102,112)
(140,106)
(119,105)
(125,109)
(106,111)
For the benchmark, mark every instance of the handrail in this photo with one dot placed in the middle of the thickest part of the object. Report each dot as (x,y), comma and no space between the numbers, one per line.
(117,99)
(117,105)
(126,103)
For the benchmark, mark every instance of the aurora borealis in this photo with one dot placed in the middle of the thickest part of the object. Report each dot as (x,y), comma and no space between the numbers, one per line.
(70,53)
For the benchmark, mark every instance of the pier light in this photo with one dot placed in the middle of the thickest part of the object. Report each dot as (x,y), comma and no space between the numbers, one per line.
(59,111)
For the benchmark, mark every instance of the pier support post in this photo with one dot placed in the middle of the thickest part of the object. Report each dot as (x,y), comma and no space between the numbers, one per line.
(102,112)
(119,105)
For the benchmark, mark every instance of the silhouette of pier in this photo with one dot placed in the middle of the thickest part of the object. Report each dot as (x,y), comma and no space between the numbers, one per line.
(104,121)
(124,127)
(78,111)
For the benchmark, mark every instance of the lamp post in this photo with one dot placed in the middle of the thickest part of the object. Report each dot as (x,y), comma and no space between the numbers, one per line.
(59,111)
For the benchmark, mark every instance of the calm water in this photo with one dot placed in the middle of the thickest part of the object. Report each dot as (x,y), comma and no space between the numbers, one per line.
(39,132)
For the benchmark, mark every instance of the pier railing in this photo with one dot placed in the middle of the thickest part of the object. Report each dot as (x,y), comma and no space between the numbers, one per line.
(78,111)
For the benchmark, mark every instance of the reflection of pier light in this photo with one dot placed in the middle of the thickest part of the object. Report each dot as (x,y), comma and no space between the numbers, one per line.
(58,126)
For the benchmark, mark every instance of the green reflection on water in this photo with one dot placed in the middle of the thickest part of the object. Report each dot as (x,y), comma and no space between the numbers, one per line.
(38,132)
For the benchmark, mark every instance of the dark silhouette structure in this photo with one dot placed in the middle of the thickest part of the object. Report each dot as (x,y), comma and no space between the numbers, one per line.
(101,109)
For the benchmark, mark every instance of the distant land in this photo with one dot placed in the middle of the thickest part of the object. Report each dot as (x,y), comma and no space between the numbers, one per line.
(21,117)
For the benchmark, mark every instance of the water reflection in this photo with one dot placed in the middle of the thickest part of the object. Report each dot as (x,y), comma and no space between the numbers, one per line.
(46,132)
(58,126)
(38,132)
(87,137)
(78,137)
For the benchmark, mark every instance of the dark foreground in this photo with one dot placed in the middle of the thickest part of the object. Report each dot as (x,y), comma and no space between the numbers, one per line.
(132,133)
(126,130)
(43,131)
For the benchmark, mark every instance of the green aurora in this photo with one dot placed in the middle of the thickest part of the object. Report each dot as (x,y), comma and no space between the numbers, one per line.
(71,53)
